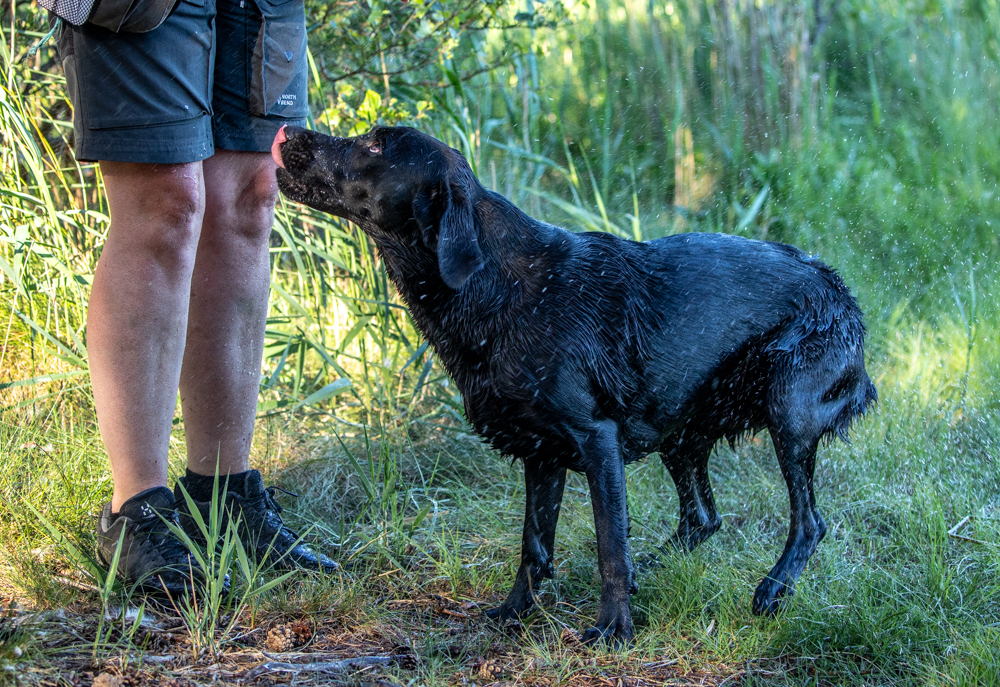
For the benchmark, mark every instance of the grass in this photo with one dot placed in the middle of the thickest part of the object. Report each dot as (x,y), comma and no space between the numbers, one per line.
(867,146)
(889,597)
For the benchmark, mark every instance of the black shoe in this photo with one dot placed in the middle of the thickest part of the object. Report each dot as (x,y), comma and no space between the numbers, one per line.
(152,557)
(261,529)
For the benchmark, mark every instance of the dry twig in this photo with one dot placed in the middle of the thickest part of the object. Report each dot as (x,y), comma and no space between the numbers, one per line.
(333,667)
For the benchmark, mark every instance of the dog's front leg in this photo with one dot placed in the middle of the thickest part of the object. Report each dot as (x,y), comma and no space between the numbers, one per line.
(544,483)
(606,475)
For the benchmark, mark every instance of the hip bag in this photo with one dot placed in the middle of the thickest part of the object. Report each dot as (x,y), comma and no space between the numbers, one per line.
(120,16)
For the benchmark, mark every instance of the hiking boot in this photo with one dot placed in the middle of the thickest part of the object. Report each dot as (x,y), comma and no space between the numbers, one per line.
(261,529)
(152,557)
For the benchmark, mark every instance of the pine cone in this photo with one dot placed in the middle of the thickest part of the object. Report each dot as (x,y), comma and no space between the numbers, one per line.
(490,670)
(280,639)
(303,632)
(570,637)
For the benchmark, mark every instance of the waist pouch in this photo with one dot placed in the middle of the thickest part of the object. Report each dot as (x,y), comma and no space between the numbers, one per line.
(120,16)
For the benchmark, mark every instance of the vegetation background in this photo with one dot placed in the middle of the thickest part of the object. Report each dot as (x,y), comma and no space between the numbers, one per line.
(865,131)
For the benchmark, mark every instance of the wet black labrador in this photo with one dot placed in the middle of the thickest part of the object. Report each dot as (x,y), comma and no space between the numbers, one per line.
(588,352)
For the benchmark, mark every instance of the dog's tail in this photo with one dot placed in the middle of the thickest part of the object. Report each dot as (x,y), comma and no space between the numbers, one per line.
(860,399)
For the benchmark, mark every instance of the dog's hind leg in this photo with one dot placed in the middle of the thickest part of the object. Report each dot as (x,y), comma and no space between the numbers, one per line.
(807,400)
(686,458)
(796,451)
(544,485)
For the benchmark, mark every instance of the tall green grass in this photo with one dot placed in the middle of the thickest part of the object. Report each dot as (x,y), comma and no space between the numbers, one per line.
(865,144)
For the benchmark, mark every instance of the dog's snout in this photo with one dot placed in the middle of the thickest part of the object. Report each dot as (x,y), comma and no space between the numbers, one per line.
(285,135)
(291,149)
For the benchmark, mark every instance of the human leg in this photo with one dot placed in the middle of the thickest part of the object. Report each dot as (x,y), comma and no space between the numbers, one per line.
(141,105)
(259,85)
(148,98)
(228,308)
(137,316)
(136,325)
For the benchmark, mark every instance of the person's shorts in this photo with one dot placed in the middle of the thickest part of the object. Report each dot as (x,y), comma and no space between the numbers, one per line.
(221,74)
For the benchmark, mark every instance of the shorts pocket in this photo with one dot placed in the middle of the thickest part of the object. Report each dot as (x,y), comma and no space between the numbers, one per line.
(135,80)
(278,84)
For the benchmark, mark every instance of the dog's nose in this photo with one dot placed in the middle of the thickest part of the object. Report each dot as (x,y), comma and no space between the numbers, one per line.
(279,138)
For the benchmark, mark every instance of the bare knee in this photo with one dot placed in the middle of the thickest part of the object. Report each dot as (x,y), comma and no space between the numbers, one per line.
(156,210)
(175,217)
(256,203)
(242,191)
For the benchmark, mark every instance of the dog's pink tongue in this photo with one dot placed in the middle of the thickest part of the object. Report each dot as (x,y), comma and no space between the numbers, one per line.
(276,147)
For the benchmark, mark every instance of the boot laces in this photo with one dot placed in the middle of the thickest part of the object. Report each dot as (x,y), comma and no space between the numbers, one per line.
(270,502)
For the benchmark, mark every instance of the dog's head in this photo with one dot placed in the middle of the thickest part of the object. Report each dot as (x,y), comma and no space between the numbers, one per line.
(388,181)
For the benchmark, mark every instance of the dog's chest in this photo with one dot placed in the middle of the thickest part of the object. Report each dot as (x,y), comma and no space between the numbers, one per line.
(529,404)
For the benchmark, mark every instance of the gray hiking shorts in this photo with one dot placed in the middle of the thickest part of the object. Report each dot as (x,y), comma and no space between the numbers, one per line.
(216,74)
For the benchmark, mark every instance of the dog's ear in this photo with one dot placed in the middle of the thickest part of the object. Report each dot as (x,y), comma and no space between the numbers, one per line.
(428,207)
(448,225)
(459,256)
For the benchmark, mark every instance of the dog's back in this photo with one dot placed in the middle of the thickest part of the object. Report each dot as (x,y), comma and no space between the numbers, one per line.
(739,319)
(692,328)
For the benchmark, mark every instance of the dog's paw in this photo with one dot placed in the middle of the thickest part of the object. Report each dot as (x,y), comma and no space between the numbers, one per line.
(613,636)
(687,539)
(505,612)
(681,543)
(768,596)
(497,613)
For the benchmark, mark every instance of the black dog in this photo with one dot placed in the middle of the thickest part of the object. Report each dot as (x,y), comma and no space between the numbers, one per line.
(587,352)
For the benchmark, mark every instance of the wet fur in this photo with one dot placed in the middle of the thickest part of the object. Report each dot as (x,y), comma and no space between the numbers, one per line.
(584,351)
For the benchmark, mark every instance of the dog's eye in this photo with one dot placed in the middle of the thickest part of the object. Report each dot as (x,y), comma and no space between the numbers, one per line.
(375,148)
